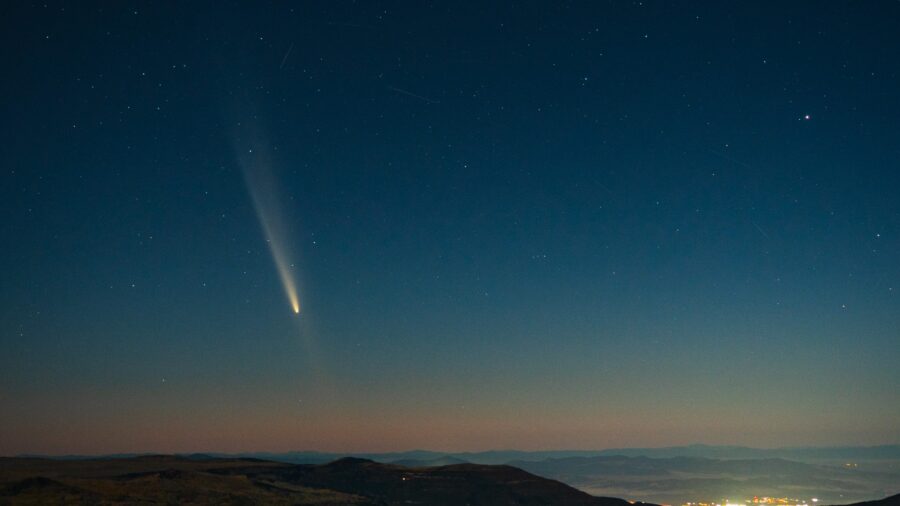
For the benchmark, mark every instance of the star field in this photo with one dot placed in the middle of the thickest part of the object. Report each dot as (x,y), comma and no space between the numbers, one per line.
(534,225)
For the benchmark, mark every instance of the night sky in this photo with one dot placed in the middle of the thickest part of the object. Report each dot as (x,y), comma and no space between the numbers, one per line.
(520,226)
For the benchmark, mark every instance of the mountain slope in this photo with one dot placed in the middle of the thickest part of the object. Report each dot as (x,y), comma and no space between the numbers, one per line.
(164,479)
(893,500)
(471,484)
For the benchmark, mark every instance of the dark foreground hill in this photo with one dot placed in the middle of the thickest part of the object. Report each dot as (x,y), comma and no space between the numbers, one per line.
(177,480)
(893,500)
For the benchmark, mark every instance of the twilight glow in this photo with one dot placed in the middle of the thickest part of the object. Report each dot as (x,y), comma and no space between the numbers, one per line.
(582,225)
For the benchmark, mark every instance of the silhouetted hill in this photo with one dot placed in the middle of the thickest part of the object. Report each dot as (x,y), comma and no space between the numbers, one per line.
(471,484)
(37,489)
(166,479)
(893,500)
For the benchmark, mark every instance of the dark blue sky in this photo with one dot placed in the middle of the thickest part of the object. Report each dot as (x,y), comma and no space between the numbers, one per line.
(525,225)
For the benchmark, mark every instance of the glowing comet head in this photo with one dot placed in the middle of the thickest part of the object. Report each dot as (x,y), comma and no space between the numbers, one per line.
(281,264)
(278,249)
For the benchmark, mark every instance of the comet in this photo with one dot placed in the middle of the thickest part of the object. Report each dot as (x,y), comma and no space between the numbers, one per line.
(256,163)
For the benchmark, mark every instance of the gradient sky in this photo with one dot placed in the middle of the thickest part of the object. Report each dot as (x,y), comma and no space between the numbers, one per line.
(530,225)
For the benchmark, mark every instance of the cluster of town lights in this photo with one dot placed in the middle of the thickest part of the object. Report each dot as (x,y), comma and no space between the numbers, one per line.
(773,501)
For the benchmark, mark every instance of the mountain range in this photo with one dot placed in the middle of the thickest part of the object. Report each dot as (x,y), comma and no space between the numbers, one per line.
(721,452)
(674,475)
(800,454)
(180,480)
(202,479)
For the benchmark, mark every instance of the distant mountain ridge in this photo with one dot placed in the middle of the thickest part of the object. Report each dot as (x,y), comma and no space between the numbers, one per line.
(801,453)
(205,479)
(441,461)
(672,475)
(721,452)
(200,481)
